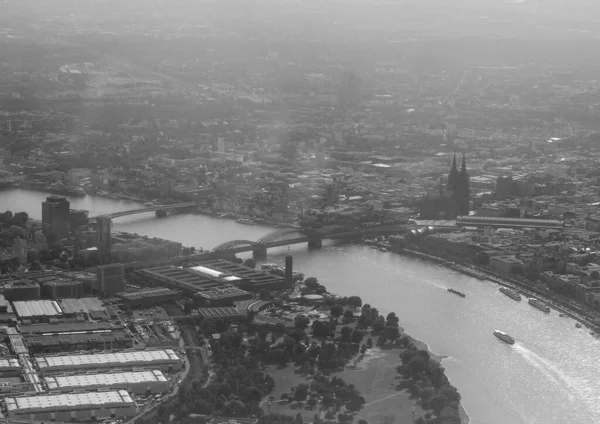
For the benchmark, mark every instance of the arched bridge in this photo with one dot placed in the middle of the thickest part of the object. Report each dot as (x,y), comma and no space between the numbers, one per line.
(147,209)
(313,237)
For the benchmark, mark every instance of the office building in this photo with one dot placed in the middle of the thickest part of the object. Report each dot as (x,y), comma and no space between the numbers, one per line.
(136,382)
(111,279)
(56,215)
(104,240)
(67,407)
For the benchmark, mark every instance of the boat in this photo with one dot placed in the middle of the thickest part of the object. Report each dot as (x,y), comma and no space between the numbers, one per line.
(245,221)
(511,293)
(561,315)
(539,304)
(457,292)
(504,337)
(383,249)
(578,325)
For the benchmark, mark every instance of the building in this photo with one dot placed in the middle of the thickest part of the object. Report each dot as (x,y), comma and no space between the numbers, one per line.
(449,201)
(20,250)
(135,382)
(56,215)
(507,265)
(111,279)
(73,341)
(163,359)
(9,367)
(20,289)
(209,285)
(149,297)
(104,240)
(72,406)
(37,310)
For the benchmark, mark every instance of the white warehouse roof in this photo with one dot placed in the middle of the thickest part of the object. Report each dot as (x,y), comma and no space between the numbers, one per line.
(107,358)
(67,401)
(9,363)
(107,379)
(37,308)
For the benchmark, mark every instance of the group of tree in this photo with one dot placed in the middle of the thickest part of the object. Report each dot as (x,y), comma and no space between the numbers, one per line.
(426,380)
(333,392)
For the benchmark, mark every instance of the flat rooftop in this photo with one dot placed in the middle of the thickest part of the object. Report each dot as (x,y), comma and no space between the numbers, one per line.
(107,358)
(67,401)
(6,362)
(106,379)
(148,293)
(37,308)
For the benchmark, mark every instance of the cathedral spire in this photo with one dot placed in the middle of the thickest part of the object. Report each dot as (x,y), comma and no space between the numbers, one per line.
(453,176)
(463,169)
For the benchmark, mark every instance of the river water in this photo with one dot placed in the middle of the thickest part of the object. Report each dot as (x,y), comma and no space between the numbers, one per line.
(550,376)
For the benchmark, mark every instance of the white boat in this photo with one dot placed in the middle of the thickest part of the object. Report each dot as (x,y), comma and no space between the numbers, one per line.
(245,221)
(504,337)
(539,304)
(510,293)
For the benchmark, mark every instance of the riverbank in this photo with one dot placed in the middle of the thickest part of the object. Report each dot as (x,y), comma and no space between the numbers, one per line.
(483,274)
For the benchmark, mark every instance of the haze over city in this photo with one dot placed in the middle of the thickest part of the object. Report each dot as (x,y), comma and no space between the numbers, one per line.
(299,211)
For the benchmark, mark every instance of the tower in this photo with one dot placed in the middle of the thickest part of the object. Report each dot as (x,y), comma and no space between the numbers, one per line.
(453,176)
(56,215)
(289,269)
(103,225)
(462,191)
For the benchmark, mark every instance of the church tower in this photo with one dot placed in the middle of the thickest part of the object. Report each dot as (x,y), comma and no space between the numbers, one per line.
(462,191)
(453,176)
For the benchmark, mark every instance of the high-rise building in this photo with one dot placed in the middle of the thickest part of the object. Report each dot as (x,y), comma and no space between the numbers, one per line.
(56,215)
(111,279)
(289,269)
(20,250)
(104,240)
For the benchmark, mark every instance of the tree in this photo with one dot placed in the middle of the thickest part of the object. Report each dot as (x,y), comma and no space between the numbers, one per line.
(595,275)
(392,332)
(450,392)
(369,343)
(417,365)
(354,301)
(250,263)
(320,329)
(438,403)
(311,402)
(357,336)
(378,325)
(346,334)
(336,311)
(392,319)
(301,322)
(301,392)
(348,315)
(298,419)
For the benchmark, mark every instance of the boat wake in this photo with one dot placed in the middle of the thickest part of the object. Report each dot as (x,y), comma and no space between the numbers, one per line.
(575,388)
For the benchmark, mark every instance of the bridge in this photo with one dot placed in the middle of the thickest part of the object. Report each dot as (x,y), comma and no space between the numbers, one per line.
(314,238)
(497,222)
(157,208)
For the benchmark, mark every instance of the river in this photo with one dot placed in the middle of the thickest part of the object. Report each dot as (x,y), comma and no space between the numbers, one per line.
(550,376)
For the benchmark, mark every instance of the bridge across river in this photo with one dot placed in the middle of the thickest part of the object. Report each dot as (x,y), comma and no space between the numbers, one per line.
(156,208)
(314,237)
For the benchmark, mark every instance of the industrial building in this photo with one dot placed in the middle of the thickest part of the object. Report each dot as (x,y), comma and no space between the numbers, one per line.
(164,359)
(244,277)
(136,382)
(70,342)
(20,289)
(212,287)
(72,406)
(37,310)
(9,367)
(149,297)
(86,307)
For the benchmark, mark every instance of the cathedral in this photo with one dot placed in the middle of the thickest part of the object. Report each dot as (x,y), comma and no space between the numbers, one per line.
(449,201)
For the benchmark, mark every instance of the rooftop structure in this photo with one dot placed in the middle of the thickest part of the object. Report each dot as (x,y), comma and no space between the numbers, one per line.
(142,380)
(243,276)
(224,312)
(160,358)
(64,342)
(212,288)
(60,404)
(37,309)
